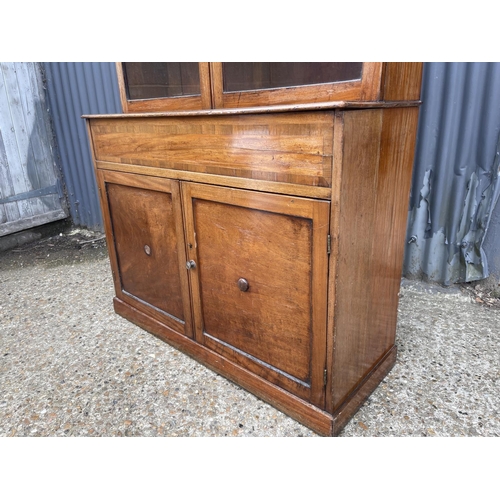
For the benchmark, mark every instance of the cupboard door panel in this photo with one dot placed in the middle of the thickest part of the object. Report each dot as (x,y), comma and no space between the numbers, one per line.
(260,280)
(148,246)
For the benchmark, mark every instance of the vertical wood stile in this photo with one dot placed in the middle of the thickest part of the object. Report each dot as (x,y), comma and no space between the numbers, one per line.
(338,147)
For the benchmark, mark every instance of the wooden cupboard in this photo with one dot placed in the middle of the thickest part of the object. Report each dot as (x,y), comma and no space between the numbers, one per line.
(267,241)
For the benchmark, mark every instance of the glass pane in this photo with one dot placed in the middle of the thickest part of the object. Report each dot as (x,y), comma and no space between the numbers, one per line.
(255,76)
(159,79)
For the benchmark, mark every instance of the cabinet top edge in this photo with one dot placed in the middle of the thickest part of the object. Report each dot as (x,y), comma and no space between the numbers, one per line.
(266,109)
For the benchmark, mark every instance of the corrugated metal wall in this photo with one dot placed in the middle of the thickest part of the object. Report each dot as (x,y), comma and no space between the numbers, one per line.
(31,191)
(75,89)
(455,179)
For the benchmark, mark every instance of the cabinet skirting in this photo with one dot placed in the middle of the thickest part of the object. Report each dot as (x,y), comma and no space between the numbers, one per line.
(305,413)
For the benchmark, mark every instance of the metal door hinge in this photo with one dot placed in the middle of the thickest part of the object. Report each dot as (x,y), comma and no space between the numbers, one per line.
(324,376)
(329,244)
(36,193)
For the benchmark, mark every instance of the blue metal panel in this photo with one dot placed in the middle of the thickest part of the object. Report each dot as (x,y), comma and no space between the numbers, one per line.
(455,179)
(75,89)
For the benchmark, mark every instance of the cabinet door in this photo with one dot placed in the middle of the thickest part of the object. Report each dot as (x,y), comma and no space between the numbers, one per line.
(163,86)
(143,219)
(259,284)
(236,84)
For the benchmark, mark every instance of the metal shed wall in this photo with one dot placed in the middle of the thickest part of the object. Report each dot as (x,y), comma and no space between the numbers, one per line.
(75,89)
(455,178)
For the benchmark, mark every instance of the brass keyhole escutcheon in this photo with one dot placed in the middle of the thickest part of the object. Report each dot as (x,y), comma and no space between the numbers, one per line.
(243,284)
(147,249)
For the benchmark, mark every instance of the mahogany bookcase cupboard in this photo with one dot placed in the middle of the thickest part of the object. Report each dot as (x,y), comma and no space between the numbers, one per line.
(255,215)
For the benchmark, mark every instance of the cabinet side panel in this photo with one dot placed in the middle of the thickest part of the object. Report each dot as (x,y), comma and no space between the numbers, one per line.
(403,81)
(376,176)
(352,357)
(398,139)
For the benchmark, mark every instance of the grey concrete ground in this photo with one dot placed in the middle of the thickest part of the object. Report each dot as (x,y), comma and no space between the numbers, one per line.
(69,366)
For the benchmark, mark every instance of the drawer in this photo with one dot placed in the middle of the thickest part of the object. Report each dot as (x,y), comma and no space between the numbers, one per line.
(294,148)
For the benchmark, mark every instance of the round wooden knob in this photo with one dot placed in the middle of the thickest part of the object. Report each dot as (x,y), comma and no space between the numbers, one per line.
(147,249)
(243,284)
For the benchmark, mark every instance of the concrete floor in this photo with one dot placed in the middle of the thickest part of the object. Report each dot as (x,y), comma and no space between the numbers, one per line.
(69,366)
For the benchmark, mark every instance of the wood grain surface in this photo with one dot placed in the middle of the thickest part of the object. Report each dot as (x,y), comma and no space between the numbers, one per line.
(293,148)
(277,108)
(402,81)
(221,180)
(338,148)
(360,393)
(278,244)
(376,175)
(361,151)
(143,223)
(147,247)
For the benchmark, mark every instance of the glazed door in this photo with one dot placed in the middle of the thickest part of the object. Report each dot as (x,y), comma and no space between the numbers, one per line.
(147,87)
(259,282)
(246,84)
(143,219)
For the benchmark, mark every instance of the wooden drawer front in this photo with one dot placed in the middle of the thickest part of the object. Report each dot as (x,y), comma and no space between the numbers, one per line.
(147,246)
(294,148)
(277,244)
